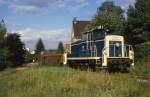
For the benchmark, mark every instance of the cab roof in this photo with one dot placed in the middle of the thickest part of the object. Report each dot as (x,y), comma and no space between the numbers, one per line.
(94,29)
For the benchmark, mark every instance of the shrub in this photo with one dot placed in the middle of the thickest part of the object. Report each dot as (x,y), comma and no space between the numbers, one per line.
(142,68)
(142,51)
(142,62)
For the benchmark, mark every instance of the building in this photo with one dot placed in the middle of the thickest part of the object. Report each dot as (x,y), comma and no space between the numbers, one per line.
(78,27)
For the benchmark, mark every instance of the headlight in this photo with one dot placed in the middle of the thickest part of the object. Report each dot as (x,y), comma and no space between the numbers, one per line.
(117,45)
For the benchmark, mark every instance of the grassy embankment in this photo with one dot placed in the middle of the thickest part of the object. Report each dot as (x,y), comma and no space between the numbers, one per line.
(48,81)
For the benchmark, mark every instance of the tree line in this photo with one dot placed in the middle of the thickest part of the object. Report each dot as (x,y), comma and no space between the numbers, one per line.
(13,52)
(136,24)
(133,24)
(40,47)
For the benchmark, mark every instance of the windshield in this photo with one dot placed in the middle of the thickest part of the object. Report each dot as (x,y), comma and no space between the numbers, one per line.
(115,48)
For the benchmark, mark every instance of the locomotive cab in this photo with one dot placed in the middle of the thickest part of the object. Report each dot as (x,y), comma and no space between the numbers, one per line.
(116,52)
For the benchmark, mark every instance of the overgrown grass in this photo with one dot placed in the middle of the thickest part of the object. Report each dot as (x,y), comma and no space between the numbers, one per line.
(142,68)
(46,81)
(52,63)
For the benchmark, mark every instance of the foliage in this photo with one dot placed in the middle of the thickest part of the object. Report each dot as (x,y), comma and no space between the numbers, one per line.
(2,32)
(40,46)
(60,47)
(110,16)
(138,26)
(4,53)
(142,68)
(11,49)
(66,82)
(142,51)
(16,49)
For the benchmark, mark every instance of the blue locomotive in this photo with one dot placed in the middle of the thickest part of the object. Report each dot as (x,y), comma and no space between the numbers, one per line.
(96,49)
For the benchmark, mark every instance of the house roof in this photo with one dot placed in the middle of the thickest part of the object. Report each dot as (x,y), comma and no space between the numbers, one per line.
(79,27)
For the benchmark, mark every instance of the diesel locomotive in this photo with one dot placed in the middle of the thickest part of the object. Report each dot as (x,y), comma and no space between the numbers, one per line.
(99,50)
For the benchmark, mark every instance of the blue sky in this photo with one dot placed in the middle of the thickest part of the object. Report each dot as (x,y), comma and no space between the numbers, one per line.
(48,19)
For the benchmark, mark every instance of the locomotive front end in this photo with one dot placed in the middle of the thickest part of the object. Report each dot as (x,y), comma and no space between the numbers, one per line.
(116,53)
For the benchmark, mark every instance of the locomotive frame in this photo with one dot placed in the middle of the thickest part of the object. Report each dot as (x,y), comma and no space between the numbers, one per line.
(98,50)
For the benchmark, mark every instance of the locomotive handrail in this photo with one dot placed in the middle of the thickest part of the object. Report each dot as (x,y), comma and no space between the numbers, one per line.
(126,52)
(130,49)
(104,56)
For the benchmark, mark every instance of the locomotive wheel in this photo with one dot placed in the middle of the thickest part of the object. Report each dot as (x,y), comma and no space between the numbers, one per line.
(82,66)
(92,67)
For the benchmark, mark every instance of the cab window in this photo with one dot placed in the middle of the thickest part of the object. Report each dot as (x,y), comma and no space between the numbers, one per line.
(98,35)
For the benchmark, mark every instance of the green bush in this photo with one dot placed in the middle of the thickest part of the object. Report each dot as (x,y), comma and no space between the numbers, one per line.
(142,51)
(142,62)
(142,68)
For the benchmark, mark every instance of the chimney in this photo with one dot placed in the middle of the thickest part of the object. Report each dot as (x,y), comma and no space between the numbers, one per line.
(74,20)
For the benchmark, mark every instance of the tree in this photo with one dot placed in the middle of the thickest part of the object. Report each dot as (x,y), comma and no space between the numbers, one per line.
(110,16)
(138,22)
(2,33)
(40,46)
(16,49)
(60,47)
(4,53)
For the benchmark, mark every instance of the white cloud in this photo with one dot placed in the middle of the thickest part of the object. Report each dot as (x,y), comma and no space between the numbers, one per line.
(25,9)
(101,1)
(78,6)
(38,5)
(81,1)
(2,1)
(11,21)
(30,36)
(33,6)
(33,34)
(124,4)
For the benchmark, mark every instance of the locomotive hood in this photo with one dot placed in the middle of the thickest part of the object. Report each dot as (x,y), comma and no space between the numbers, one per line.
(114,38)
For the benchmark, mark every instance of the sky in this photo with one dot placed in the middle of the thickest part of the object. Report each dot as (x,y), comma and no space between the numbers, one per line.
(50,20)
